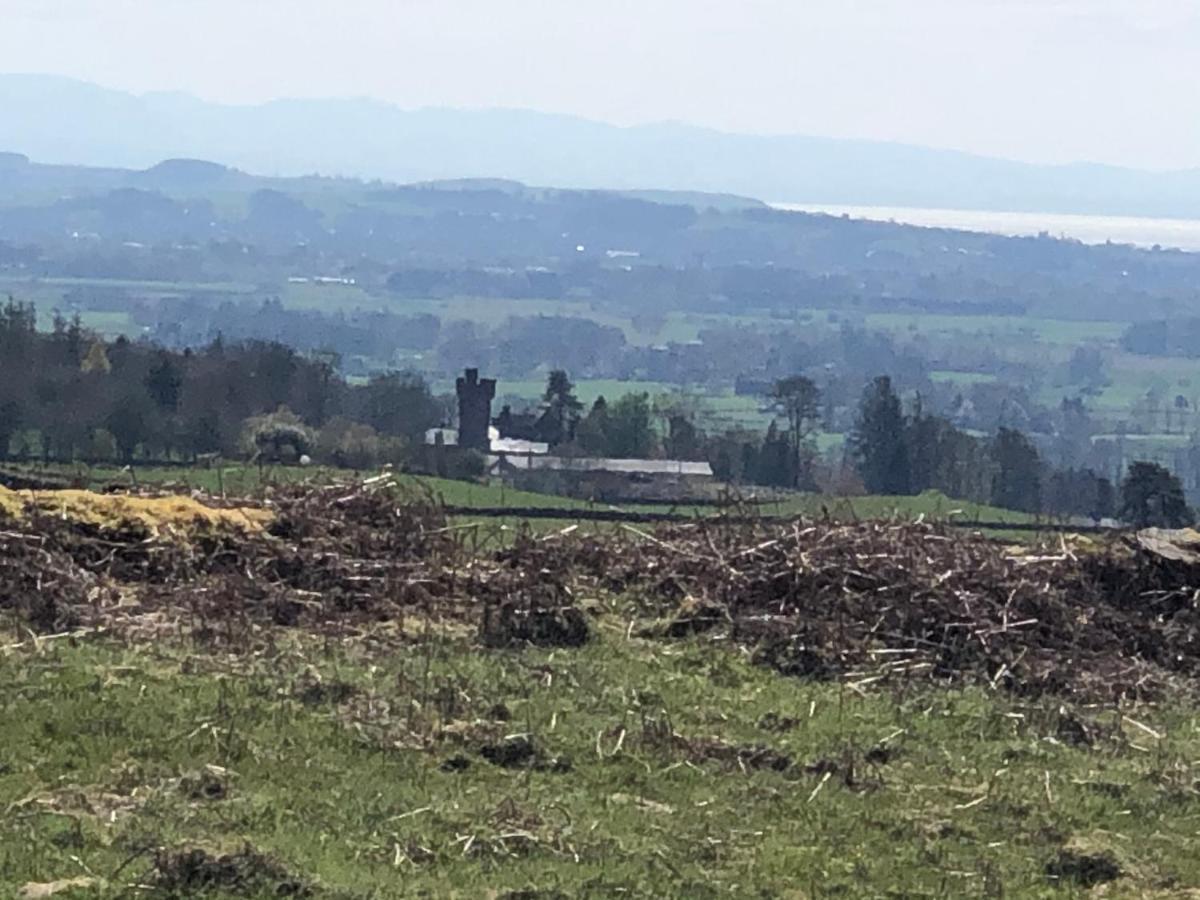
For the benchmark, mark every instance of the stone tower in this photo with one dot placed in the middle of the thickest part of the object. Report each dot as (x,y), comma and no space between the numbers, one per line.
(475,410)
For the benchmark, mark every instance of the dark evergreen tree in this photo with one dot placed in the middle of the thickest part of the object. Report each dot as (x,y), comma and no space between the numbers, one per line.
(12,417)
(878,442)
(749,461)
(774,466)
(131,423)
(630,432)
(1078,492)
(1152,496)
(923,440)
(1017,479)
(562,409)
(683,439)
(164,382)
(592,433)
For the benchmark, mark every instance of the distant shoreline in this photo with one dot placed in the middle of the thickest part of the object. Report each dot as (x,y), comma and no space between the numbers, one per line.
(1180,234)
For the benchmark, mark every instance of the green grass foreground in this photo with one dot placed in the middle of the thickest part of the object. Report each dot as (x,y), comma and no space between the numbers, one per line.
(658,769)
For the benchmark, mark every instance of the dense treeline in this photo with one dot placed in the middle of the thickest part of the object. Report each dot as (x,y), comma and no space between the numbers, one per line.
(898,452)
(67,394)
(369,334)
(1173,337)
(891,451)
(905,453)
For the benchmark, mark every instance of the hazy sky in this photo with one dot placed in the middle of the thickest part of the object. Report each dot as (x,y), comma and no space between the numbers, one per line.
(1043,80)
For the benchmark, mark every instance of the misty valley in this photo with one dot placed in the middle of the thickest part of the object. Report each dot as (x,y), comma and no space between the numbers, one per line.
(702,305)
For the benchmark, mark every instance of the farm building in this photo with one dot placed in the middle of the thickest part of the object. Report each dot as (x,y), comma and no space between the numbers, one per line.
(530,466)
(605,479)
(448,437)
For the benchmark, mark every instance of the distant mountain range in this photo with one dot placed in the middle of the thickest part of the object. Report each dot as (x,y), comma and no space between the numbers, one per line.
(60,120)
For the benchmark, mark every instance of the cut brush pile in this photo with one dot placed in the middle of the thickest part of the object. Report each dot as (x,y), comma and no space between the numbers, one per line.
(871,603)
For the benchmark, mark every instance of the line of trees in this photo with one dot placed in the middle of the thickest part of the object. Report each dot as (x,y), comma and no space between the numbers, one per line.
(905,453)
(625,429)
(66,394)
(891,451)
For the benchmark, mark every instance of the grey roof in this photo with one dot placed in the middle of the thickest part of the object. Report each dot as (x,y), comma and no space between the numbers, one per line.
(624,466)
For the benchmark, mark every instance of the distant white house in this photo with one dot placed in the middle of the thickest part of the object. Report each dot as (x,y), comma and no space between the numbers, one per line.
(448,437)
(529,463)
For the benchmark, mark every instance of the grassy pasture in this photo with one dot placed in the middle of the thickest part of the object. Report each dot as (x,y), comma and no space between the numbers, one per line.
(931,505)
(965,379)
(1051,331)
(327,298)
(493,531)
(246,480)
(148,287)
(361,774)
(1132,376)
(242,480)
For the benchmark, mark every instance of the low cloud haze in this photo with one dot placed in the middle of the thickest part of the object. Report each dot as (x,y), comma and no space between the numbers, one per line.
(1041,81)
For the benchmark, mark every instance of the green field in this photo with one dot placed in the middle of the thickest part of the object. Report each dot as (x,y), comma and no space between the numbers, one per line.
(50,295)
(147,287)
(364,773)
(931,506)
(1133,376)
(1052,331)
(965,379)
(328,298)
(241,480)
